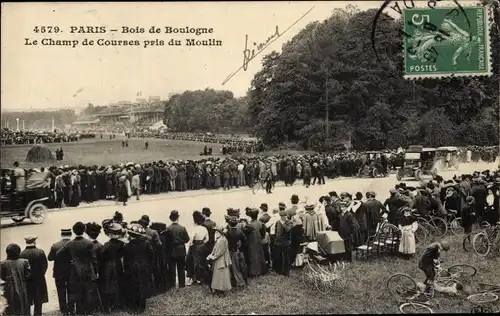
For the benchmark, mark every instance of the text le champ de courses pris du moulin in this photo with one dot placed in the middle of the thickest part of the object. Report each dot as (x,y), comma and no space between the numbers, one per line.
(123,36)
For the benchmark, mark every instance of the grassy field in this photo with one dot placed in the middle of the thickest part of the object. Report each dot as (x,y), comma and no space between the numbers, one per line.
(106,152)
(365,292)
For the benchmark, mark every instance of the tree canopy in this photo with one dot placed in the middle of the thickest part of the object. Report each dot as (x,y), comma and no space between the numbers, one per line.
(206,111)
(369,102)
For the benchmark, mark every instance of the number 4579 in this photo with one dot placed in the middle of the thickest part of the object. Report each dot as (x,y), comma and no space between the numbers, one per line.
(46,29)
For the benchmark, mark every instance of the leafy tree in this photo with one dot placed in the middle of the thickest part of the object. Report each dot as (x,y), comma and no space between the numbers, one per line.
(206,111)
(287,100)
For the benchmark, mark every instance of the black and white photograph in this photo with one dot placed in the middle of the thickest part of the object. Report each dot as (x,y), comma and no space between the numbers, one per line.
(250,157)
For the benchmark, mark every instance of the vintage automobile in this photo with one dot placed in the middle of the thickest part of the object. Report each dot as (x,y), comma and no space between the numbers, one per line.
(33,203)
(373,167)
(448,157)
(418,161)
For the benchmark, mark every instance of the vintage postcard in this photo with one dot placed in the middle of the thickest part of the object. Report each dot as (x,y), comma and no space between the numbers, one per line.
(249,158)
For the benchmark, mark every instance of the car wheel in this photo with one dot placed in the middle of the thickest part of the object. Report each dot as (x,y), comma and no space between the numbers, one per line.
(418,174)
(37,213)
(399,175)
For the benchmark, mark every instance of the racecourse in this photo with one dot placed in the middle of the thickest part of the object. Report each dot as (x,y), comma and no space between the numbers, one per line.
(107,151)
(158,208)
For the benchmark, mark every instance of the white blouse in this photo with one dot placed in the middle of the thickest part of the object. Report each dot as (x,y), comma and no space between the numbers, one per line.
(199,233)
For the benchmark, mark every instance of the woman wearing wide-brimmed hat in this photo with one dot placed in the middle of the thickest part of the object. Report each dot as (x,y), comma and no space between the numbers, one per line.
(111,267)
(236,241)
(408,226)
(220,261)
(138,254)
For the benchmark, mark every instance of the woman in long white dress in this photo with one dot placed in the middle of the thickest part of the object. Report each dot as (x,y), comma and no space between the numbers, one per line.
(408,225)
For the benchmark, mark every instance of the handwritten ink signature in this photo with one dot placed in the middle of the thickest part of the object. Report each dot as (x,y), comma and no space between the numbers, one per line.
(249,54)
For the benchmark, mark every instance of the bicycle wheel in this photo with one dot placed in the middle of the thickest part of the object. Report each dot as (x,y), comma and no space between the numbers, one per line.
(481,244)
(256,187)
(467,242)
(421,235)
(462,271)
(482,298)
(415,308)
(455,227)
(323,287)
(440,224)
(401,286)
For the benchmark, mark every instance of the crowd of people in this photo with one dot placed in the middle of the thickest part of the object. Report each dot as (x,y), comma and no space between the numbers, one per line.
(144,258)
(72,185)
(11,137)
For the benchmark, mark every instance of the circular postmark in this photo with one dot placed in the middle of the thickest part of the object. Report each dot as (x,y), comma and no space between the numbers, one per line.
(439,39)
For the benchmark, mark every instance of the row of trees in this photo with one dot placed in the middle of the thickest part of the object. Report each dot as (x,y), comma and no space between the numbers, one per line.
(39,119)
(206,111)
(369,102)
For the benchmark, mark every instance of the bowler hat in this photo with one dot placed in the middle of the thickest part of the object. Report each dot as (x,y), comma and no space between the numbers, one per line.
(174,215)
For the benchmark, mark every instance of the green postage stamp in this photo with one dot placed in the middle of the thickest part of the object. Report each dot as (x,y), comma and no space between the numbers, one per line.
(443,42)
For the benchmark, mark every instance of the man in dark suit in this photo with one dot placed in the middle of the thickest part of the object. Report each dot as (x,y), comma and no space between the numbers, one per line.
(61,271)
(83,270)
(210,225)
(93,230)
(175,249)
(36,283)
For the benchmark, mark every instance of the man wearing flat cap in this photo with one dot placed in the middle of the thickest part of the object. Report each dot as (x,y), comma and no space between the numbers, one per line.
(61,271)
(36,283)
(394,203)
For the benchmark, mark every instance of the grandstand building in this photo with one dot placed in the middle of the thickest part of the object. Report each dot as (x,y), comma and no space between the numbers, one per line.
(142,112)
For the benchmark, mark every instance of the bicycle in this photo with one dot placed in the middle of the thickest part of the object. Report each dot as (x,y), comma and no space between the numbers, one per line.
(486,239)
(488,296)
(403,286)
(259,184)
(453,223)
(467,241)
(323,279)
(411,307)
(434,225)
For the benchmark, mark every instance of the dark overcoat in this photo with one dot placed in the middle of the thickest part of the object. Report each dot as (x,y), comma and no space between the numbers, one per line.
(36,283)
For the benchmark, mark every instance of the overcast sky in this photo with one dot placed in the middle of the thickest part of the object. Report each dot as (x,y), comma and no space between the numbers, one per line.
(42,77)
